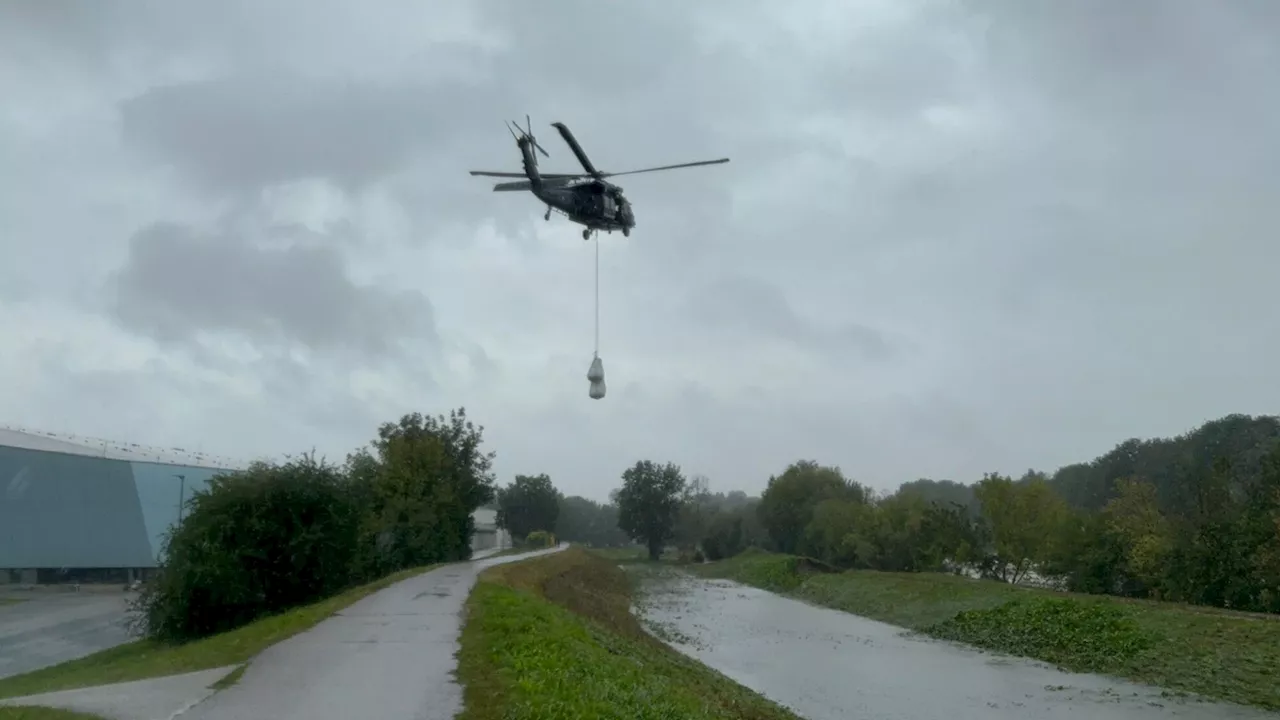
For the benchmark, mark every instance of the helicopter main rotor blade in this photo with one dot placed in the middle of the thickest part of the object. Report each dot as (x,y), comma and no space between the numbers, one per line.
(513,186)
(545,176)
(572,142)
(526,185)
(668,167)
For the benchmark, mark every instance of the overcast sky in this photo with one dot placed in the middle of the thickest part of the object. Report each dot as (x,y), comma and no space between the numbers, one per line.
(954,237)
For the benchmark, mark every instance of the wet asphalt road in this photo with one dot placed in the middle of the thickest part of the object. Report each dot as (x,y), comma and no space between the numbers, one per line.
(389,656)
(52,627)
(829,665)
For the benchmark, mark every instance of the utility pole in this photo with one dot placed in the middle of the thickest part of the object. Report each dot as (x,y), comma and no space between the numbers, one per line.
(182,492)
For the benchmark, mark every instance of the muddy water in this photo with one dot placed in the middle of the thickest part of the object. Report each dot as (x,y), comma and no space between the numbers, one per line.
(829,665)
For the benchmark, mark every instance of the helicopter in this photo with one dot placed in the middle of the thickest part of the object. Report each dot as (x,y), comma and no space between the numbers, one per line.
(586,198)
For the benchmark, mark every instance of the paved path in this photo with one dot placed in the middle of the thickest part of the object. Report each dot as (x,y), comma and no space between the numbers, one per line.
(48,628)
(389,656)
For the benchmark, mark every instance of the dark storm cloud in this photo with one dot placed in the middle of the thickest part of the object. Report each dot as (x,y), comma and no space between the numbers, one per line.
(178,282)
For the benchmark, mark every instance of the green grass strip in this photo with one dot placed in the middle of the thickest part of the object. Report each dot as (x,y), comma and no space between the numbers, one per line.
(526,655)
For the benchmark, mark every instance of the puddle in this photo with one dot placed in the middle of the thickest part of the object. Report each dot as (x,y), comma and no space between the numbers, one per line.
(829,665)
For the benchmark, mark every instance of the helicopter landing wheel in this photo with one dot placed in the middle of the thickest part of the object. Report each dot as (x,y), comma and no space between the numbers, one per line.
(586,234)
(547,216)
(626,232)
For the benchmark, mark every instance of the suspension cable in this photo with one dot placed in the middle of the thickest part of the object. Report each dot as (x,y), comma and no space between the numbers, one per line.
(597,350)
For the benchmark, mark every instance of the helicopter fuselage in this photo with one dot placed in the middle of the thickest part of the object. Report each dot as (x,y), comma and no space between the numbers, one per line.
(587,198)
(589,201)
(594,204)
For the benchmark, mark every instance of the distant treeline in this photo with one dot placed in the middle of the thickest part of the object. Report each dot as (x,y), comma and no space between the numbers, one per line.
(1195,518)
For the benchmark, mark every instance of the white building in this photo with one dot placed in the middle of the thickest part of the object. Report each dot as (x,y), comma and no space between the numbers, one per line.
(487,535)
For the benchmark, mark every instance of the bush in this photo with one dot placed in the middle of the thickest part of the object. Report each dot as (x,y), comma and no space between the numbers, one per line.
(256,542)
(1078,635)
(724,538)
(539,539)
(774,572)
(273,537)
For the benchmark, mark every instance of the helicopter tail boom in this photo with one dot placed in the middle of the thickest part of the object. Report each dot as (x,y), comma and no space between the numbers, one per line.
(534,181)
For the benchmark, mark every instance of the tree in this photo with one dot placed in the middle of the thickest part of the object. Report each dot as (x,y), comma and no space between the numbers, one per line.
(1133,517)
(649,503)
(725,537)
(528,504)
(839,532)
(949,534)
(697,508)
(420,481)
(586,521)
(786,507)
(943,493)
(1024,518)
(734,526)
(1267,559)
(1089,557)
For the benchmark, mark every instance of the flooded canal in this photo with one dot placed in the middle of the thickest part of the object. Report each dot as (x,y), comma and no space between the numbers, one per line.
(829,665)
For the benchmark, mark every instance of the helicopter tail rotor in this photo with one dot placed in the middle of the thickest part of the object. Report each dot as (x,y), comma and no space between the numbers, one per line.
(527,132)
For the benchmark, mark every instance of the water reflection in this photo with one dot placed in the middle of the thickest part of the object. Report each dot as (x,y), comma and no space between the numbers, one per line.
(829,665)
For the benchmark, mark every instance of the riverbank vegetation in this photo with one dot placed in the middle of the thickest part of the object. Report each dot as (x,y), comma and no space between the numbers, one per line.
(1145,562)
(554,637)
(1215,653)
(1192,519)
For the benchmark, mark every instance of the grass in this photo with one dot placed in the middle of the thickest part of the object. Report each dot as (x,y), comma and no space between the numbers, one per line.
(142,659)
(11,601)
(622,555)
(1217,654)
(554,637)
(31,712)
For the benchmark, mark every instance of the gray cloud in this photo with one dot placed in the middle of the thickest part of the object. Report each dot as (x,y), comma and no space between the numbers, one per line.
(249,132)
(1025,229)
(755,308)
(179,282)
